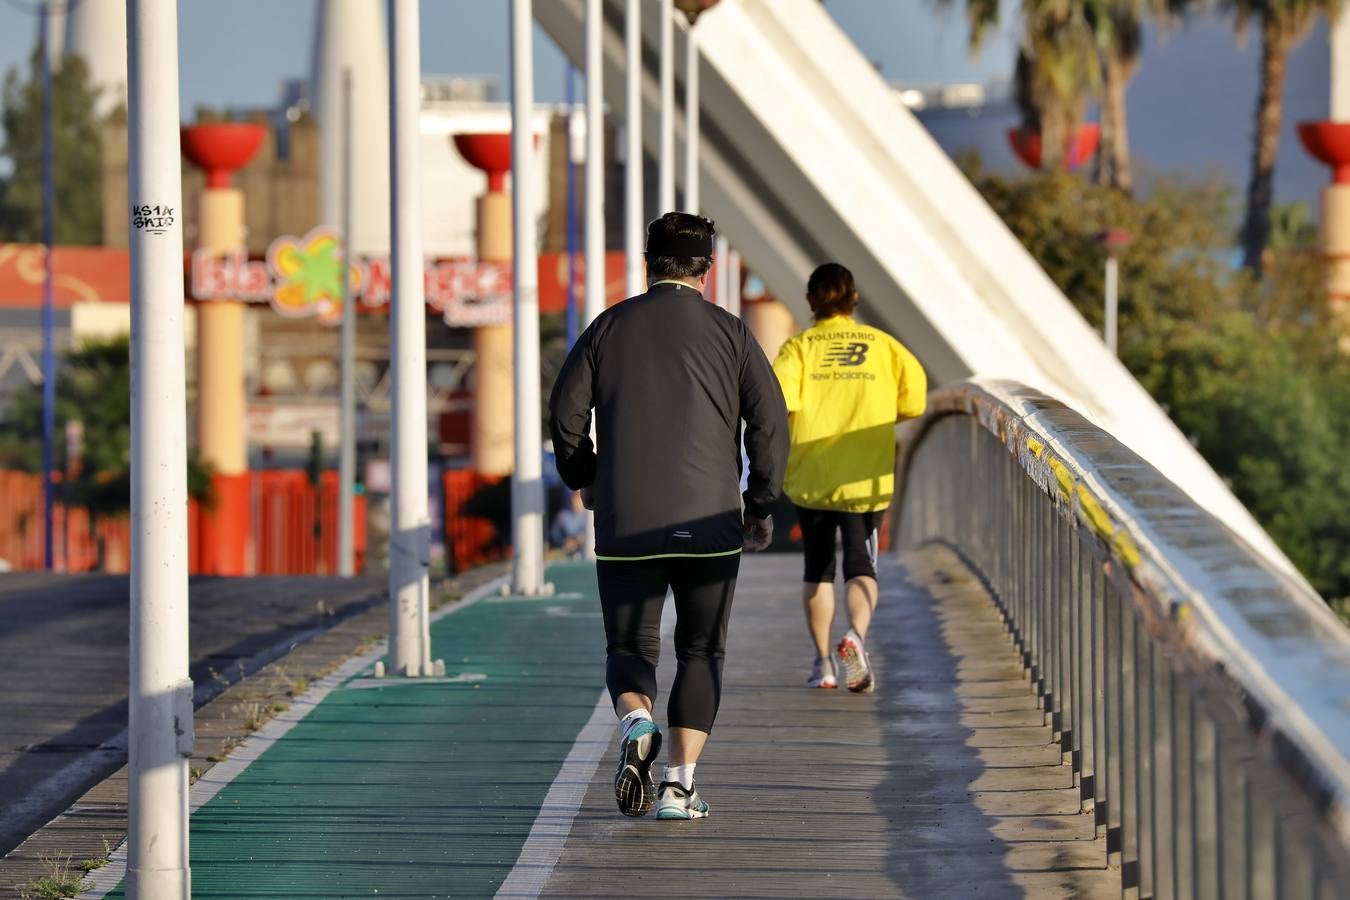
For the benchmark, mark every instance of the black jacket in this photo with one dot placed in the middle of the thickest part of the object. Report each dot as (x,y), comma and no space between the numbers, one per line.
(670,377)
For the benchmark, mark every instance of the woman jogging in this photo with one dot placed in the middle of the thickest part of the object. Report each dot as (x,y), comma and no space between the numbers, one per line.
(846,385)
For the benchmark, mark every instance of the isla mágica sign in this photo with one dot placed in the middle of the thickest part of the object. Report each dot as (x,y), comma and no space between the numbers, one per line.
(302,278)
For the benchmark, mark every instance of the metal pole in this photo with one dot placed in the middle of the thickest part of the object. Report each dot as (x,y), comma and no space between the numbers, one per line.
(666,171)
(595,164)
(160,702)
(527,487)
(691,119)
(595,191)
(734,288)
(722,271)
(571,212)
(1112,305)
(409,644)
(347,439)
(634,268)
(48,304)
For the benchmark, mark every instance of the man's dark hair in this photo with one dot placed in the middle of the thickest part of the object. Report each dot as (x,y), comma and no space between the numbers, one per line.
(678,227)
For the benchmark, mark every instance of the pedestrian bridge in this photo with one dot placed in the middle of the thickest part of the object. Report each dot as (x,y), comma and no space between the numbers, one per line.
(1088,687)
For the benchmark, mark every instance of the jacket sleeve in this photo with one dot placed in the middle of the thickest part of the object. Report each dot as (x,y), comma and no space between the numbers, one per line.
(912,398)
(569,414)
(766,429)
(788,368)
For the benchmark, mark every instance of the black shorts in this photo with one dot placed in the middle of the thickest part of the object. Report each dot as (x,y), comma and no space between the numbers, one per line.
(859,531)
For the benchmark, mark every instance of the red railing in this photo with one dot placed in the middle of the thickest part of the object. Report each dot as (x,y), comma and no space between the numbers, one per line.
(471,539)
(294,528)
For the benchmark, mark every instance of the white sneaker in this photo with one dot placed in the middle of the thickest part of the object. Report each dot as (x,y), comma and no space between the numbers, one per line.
(674,802)
(822,674)
(857,671)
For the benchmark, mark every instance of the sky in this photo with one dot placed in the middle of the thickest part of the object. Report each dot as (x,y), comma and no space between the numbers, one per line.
(228,61)
(910,38)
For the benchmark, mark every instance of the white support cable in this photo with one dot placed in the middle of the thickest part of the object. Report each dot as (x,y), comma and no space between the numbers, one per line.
(410,638)
(527,486)
(633,221)
(733,304)
(160,699)
(691,123)
(347,382)
(595,190)
(666,159)
(721,271)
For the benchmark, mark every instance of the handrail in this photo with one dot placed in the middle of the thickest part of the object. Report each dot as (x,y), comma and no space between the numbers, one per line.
(1214,601)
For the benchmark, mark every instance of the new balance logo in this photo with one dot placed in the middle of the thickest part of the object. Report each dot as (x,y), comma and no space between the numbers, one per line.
(842,353)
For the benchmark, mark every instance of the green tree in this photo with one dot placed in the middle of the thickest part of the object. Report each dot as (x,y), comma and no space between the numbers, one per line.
(1283,24)
(1247,368)
(93,388)
(77,157)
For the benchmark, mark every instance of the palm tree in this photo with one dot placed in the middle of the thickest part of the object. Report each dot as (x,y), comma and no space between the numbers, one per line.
(1283,24)
(1056,66)
(1056,72)
(1118,26)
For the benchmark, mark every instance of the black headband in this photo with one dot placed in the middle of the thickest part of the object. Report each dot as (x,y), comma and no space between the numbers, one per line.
(684,247)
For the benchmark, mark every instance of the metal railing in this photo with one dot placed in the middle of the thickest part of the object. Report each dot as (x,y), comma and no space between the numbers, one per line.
(1201,694)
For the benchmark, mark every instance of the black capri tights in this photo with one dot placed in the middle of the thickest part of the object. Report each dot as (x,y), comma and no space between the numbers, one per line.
(632,593)
(859,531)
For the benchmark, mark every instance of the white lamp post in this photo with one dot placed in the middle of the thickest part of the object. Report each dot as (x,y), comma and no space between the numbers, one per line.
(527,486)
(666,160)
(160,707)
(634,267)
(409,543)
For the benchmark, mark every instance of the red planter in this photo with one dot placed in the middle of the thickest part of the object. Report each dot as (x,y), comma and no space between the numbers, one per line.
(490,152)
(1329,142)
(1077,149)
(222,148)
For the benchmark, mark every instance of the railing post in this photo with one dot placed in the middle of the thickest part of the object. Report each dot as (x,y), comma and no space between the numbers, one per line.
(1114,658)
(1129,759)
(1100,710)
(1164,785)
(1206,850)
(1145,729)
(1184,752)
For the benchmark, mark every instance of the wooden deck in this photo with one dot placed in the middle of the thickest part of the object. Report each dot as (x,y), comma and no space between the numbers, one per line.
(944,783)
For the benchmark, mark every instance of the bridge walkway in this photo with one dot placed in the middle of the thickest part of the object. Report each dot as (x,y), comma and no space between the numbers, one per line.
(946,782)
(496,779)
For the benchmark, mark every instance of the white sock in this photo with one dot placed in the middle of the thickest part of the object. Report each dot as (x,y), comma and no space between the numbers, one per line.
(627,722)
(683,774)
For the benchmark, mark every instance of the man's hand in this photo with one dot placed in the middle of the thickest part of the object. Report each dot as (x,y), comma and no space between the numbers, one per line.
(758,534)
(587,498)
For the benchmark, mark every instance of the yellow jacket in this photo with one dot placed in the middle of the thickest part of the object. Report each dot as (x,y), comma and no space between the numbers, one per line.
(846,385)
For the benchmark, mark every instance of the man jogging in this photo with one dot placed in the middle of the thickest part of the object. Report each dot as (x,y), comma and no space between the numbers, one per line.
(670,377)
(846,386)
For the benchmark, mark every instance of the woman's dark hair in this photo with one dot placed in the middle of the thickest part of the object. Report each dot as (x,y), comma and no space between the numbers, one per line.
(830,291)
(678,226)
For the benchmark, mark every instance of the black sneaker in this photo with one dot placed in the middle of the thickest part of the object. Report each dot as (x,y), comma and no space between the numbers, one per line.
(633,786)
(678,803)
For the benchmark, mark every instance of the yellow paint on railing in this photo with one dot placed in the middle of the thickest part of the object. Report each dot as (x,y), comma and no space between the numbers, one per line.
(1063,476)
(1097,518)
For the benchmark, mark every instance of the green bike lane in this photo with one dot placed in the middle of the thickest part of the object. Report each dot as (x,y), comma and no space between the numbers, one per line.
(415,789)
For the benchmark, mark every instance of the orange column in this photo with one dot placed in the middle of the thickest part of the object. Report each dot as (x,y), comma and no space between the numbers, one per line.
(221,413)
(1336,242)
(771,322)
(493,434)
